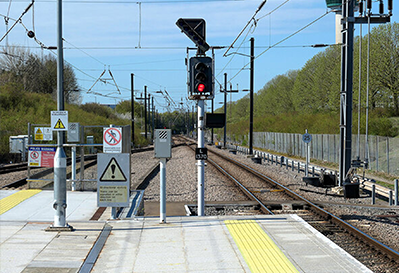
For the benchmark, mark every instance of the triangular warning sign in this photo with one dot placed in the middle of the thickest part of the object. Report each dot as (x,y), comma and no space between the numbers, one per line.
(113,172)
(59,125)
(39,131)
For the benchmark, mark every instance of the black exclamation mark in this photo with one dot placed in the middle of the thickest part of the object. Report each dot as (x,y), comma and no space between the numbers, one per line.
(113,167)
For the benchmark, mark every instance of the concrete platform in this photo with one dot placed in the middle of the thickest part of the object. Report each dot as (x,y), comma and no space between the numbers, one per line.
(142,244)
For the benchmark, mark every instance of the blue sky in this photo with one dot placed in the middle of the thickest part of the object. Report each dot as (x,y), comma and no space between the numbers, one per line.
(107,35)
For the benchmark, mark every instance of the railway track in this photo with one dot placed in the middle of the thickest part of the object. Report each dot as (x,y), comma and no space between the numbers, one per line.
(9,168)
(23,181)
(371,252)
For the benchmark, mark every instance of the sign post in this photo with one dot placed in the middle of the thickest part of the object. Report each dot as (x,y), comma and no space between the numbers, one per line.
(163,150)
(307,138)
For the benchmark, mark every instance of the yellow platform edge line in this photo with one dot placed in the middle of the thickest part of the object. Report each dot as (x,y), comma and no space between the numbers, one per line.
(259,251)
(12,200)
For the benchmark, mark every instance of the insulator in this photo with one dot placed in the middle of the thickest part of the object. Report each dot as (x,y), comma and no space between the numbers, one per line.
(31,34)
(390,6)
(369,4)
(381,7)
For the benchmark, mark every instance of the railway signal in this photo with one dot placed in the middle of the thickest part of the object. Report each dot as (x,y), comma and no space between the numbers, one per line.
(201,75)
(195,30)
(200,88)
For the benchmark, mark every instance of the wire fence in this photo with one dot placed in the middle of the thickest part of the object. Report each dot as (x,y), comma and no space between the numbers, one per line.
(383,152)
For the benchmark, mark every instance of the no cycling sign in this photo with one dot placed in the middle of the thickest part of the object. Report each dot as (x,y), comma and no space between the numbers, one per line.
(112,140)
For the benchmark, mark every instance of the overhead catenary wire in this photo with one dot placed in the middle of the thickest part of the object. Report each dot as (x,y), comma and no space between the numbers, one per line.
(128,1)
(250,20)
(84,52)
(16,21)
(249,30)
(281,41)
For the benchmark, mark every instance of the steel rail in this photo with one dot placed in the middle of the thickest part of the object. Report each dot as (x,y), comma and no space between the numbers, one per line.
(23,181)
(247,192)
(13,168)
(393,254)
(243,188)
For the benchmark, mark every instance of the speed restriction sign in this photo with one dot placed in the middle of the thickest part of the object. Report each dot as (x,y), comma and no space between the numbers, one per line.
(307,138)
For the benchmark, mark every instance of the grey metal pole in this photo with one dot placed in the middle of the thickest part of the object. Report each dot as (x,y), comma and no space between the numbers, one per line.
(73,168)
(60,157)
(113,213)
(132,105)
(145,110)
(251,97)
(162,193)
(225,110)
(307,158)
(387,155)
(213,106)
(201,163)
(213,88)
(396,192)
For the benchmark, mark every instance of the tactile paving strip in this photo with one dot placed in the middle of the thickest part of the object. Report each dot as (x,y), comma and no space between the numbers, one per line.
(259,251)
(11,201)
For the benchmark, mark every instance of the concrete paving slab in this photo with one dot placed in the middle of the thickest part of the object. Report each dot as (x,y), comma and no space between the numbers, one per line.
(5,193)
(23,246)
(184,244)
(81,206)
(306,248)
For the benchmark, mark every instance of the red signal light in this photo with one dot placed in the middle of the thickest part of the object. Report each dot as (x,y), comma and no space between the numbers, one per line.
(201,87)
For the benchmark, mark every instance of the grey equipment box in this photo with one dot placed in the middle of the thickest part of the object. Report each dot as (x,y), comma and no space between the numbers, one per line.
(163,143)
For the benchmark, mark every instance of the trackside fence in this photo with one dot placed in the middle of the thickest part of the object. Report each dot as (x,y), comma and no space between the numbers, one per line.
(383,152)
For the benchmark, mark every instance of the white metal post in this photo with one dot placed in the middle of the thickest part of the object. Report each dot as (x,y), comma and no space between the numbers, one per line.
(60,188)
(162,193)
(73,168)
(201,163)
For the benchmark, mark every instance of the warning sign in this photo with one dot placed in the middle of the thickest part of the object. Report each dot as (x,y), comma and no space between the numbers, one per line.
(47,134)
(59,120)
(38,133)
(41,156)
(112,140)
(112,194)
(113,182)
(43,133)
(113,172)
(59,125)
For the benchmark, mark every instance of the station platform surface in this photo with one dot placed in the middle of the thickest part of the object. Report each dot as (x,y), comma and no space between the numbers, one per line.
(277,243)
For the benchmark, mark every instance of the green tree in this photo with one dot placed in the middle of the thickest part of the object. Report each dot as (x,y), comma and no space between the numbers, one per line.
(37,74)
(317,85)
(278,93)
(384,63)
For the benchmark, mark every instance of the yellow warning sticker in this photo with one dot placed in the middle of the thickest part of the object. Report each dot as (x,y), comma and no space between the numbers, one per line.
(59,125)
(38,131)
(113,172)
